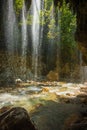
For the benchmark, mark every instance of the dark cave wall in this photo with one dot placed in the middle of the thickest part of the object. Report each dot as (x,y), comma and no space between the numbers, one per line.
(2,39)
(81,31)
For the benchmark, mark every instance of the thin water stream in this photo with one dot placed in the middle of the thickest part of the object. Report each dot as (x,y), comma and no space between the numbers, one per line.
(35,35)
(24,30)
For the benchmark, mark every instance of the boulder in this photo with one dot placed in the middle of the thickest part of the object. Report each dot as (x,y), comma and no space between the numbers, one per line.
(16,119)
(53,76)
(76,122)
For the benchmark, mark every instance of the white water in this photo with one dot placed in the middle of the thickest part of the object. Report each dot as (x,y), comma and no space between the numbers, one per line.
(24,41)
(36,6)
(10,27)
(24,31)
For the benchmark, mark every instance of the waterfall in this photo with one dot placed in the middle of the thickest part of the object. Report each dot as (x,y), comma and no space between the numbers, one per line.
(10,27)
(11,38)
(24,30)
(24,42)
(36,6)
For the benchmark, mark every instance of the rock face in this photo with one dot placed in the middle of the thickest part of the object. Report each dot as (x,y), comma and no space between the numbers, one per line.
(81,32)
(16,119)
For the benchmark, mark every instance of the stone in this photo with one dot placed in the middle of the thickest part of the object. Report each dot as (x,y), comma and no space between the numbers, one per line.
(16,118)
(52,76)
(45,89)
(70,120)
(18,81)
(85,83)
(76,122)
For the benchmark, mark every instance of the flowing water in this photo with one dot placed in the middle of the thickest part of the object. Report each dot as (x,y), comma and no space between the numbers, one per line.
(11,28)
(49,100)
(24,41)
(24,31)
(36,6)
(11,34)
(44,51)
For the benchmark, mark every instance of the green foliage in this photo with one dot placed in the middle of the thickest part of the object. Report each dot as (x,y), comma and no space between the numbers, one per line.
(49,22)
(68,26)
(52,29)
(29,19)
(18,5)
(48,4)
(68,46)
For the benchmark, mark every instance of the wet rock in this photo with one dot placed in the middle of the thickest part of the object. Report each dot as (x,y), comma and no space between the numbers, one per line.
(52,76)
(63,89)
(68,94)
(83,111)
(79,125)
(18,81)
(64,100)
(6,79)
(70,120)
(76,122)
(45,89)
(5,108)
(85,83)
(16,119)
(84,89)
(83,100)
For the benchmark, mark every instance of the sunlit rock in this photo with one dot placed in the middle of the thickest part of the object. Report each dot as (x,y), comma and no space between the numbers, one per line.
(45,89)
(18,81)
(52,76)
(85,83)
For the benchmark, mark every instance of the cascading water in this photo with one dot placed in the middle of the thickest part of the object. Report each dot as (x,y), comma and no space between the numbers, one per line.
(24,30)
(10,27)
(36,6)
(41,55)
(11,38)
(24,42)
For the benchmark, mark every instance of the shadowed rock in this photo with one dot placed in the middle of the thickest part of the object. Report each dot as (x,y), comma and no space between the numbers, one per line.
(16,119)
